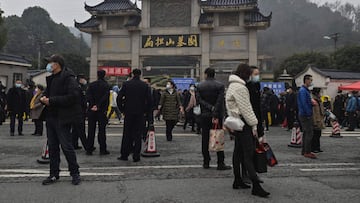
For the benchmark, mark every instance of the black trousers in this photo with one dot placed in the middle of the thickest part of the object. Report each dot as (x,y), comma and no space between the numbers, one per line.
(206,125)
(59,135)
(315,145)
(244,150)
(190,118)
(78,131)
(307,124)
(13,116)
(170,124)
(352,120)
(133,129)
(266,119)
(290,116)
(100,119)
(39,126)
(117,112)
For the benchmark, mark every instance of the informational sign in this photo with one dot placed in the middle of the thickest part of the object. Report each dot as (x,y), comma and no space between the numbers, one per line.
(116,71)
(183,83)
(277,87)
(170,41)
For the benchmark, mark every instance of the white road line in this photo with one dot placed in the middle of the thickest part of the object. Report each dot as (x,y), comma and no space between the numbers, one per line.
(62,174)
(156,134)
(315,164)
(328,169)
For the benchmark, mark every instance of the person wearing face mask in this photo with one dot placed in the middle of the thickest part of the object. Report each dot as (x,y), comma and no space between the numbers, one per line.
(238,104)
(305,110)
(36,109)
(16,106)
(189,103)
(253,86)
(63,108)
(170,106)
(2,103)
(351,107)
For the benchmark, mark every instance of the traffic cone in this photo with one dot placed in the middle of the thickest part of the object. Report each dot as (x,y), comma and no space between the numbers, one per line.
(150,146)
(335,129)
(296,136)
(45,159)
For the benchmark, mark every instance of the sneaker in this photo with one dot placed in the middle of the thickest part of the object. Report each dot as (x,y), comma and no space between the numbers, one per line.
(21,134)
(50,180)
(206,166)
(76,179)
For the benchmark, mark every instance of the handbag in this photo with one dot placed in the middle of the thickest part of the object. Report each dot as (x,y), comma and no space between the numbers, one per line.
(234,123)
(260,159)
(197,110)
(270,156)
(217,140)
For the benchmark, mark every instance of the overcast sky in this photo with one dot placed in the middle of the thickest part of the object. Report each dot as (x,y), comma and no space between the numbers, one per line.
(65,11)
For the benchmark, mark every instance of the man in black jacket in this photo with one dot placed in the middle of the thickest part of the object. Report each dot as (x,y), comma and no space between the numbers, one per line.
(62,108)
(16,106)
(211,97)
(134,100)
(98,97)
(78,127)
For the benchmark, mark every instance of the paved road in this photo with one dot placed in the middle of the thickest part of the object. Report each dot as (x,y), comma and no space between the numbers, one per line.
(177,176)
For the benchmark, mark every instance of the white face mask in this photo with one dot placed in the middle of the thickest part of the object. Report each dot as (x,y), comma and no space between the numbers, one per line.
(168,86)
(311,87)
(192,88)
(255,78)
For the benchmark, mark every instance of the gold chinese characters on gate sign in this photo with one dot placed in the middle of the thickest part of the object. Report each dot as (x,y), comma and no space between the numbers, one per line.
(167,41)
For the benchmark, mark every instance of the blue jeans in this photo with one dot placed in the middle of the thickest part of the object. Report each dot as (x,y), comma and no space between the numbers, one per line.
(60,135)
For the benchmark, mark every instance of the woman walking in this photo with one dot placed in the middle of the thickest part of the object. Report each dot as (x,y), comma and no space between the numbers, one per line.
(318,115)
(36,109)
(238,105)
(170,106)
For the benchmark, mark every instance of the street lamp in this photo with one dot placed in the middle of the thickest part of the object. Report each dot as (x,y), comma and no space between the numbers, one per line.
(39,53)
(334,37)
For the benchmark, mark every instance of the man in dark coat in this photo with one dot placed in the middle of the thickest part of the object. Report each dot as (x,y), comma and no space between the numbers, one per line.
(98,95)
(291,107)
(16,106)
(62,109)
(210,96)
(134,100)
(78,128)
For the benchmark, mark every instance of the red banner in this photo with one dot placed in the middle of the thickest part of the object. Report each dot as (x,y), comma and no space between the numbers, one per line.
(116,71)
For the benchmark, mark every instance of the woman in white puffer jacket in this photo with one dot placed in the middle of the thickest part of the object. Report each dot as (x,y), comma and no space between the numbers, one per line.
(238,105)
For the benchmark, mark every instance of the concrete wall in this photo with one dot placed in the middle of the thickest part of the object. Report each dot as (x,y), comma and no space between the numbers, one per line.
(7,73)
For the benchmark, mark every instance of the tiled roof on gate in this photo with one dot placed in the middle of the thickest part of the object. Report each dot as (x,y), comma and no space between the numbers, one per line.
(255,18)
(91,23)
(228,2)
(206,18)
(14,58)
(339,74)
(110,6)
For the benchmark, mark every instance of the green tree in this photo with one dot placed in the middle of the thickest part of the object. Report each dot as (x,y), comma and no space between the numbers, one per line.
(298,62)
(31,31)
(77,63)
(3,32)
(347,58)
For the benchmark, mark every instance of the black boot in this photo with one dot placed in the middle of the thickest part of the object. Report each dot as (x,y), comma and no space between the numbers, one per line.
(239,184)
(257,190)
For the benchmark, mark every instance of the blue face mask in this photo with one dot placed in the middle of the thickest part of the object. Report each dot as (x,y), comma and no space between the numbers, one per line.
(255,78)
(49,68)
(17,85)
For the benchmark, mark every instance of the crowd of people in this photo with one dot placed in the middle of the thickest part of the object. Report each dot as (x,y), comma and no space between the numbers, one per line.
(67,101)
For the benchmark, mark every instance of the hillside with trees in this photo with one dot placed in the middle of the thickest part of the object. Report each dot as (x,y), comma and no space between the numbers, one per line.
(299,26)
(34,30)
